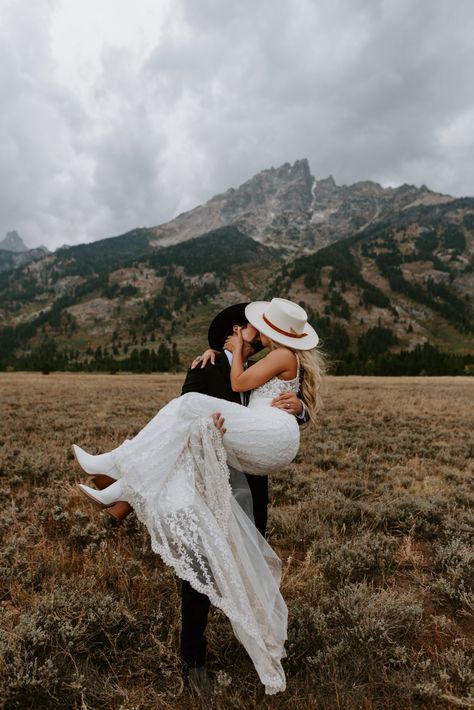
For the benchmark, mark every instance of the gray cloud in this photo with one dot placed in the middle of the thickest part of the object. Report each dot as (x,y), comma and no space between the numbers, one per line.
(365,89)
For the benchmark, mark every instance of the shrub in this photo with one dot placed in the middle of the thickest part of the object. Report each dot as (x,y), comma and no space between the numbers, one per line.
(78,621)
(455,561)
(366,557)
(356,632)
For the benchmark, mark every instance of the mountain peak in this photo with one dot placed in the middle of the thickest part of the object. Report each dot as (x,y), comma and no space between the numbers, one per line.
(326,182)
(270,207)
(287,207)
(13,242)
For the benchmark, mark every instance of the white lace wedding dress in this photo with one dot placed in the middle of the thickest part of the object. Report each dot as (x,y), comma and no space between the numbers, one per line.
(175,473)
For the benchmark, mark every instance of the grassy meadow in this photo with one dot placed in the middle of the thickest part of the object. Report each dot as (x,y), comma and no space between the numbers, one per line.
(374,522)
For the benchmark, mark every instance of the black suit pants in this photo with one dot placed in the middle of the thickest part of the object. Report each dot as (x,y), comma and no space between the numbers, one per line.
(195,606)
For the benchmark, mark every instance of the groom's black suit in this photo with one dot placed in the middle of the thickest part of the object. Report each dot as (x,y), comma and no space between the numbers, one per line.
(213,380)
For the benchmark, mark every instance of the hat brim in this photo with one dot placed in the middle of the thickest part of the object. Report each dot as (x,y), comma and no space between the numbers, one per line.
(254,314)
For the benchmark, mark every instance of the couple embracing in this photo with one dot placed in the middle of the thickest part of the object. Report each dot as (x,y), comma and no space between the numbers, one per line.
(198,480)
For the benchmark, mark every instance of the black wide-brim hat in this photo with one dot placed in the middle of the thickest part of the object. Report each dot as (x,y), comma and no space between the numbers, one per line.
(223,322)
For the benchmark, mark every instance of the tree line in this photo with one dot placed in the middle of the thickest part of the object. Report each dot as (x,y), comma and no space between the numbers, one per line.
(370,357)
(48,357)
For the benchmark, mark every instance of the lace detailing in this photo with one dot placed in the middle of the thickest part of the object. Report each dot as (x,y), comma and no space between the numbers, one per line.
(275,386)
(183,550)
(198,528)
(209,460)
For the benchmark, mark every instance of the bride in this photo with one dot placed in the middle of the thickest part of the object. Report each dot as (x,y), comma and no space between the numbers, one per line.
(175,473)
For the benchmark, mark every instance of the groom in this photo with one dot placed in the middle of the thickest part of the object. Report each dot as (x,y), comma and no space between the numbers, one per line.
(214,380)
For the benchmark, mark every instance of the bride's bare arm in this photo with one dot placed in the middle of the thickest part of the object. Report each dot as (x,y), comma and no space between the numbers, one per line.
(288,401)
(277,362)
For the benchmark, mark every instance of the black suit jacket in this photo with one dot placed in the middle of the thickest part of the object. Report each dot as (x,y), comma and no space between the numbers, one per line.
(213,380)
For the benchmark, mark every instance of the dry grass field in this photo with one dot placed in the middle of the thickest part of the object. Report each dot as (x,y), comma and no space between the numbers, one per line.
(374,523)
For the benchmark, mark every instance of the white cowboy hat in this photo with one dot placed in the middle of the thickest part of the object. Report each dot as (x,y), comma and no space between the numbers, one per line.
(284,322)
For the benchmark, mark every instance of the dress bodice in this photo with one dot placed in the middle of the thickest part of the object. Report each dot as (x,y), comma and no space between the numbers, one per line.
(275,386)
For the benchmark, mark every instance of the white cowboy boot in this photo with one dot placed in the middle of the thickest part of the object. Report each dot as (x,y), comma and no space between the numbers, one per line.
(104,499)
(95,465)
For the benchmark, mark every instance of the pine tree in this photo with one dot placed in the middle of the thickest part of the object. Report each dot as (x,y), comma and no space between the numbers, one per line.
(175,357)
(164,358)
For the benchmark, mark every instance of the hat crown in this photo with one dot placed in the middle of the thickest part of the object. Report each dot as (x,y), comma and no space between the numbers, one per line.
(286,315)
(284,322)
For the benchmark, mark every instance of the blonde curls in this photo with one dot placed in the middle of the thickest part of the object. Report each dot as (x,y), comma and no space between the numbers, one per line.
(313,367)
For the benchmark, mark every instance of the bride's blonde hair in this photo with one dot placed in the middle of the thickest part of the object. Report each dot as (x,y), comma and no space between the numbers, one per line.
(313,367)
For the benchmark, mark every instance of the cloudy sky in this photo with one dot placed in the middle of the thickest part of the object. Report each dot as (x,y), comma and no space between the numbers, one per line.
(119,114)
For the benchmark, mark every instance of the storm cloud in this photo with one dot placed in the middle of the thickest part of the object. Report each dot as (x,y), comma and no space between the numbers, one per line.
(118,115)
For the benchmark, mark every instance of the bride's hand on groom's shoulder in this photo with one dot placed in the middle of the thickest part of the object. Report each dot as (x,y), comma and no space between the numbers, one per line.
(203,359)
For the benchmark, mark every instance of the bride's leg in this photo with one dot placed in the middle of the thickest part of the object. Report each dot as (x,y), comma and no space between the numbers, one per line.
(177,416)
(199,405)
(160,442)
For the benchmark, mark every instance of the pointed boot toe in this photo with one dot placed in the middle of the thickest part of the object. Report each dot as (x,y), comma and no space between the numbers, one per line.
(94,465)
(105,498)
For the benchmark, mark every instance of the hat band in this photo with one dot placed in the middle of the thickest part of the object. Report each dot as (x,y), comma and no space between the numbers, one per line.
(283,332)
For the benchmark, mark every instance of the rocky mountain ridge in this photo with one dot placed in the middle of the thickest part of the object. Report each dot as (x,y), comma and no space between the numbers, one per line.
(14,252)
(287,207)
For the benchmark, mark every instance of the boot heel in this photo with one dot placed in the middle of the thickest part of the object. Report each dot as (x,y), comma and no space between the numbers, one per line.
(102,481)
(120,510)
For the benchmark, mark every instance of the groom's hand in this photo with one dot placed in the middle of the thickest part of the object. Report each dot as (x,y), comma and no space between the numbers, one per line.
(219,422)
(289,402)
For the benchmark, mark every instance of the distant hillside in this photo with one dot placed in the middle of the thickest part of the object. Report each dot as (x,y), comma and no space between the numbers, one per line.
(381,271)
(119,298)
(405,281)
(14,252)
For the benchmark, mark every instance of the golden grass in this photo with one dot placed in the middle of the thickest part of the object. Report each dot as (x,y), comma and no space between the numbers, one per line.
(374,523)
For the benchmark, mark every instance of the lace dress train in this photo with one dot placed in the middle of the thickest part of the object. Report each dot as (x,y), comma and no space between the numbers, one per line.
(175,473)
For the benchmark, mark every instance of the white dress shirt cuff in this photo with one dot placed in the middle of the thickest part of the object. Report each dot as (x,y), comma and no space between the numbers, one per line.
(302,414)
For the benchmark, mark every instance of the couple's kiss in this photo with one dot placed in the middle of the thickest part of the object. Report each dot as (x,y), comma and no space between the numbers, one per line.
(185,477)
